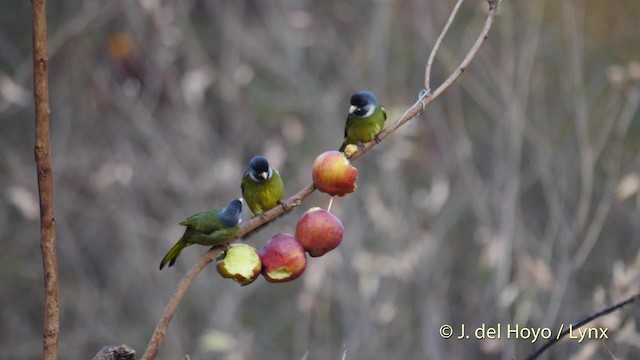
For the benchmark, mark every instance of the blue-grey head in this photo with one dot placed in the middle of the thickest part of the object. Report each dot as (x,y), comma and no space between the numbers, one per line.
(363,104)
(259,169)
(232,215)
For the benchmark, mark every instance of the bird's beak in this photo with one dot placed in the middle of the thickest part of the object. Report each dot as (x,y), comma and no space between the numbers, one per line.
(264,175)
(352,109)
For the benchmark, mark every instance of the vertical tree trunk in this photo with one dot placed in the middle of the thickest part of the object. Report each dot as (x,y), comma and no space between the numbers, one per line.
(45,182)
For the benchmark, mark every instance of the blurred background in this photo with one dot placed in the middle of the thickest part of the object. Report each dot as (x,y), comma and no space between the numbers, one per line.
(513,199)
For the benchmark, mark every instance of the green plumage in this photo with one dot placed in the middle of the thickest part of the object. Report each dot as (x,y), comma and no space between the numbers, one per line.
(262,186)
(361,126)
(211,228)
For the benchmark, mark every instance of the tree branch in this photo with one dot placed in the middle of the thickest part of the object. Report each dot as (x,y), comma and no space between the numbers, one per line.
(436,46)
(45,183)
(295,200)
(425,100)
(209,256)
(170,309)
(579,324)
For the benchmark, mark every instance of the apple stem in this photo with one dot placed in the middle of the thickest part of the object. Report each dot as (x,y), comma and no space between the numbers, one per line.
(330,203)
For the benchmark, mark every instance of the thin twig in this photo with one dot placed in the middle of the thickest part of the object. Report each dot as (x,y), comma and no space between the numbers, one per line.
(579,324)
(295,200)
(45,183)
(209,256)
(436,46)
(422,102)
(170,309)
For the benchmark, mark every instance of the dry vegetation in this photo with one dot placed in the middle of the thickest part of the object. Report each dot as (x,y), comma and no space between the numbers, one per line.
(513,199)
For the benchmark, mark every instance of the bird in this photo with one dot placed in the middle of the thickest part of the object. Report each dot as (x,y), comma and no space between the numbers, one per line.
(213,227)
(262,186)
(365,120)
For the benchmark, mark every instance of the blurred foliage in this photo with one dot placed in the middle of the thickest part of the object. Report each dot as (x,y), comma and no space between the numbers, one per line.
(513,199)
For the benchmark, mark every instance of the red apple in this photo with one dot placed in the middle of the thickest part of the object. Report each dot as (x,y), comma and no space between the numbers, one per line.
(240,262)
(319,231)
(283,258)
(333,174)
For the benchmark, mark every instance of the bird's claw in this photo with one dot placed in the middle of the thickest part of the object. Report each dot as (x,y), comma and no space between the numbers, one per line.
(376,138)
(284,205)
(361,146)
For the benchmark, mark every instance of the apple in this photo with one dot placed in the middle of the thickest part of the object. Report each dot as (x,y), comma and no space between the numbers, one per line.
(283,258)
(332,173)
(240,262)
(349,150)
(319,231)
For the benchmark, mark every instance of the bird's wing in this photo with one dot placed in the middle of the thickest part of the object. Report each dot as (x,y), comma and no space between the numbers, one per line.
(348,125)
(244,180)
(204,222)
(279,184)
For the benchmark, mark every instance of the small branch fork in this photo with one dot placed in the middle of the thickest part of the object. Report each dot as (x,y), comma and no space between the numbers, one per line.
(45,183)
(425,99)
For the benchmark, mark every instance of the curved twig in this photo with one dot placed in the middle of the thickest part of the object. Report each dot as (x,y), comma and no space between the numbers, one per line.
(209,256)
(295,200)
(579,324)
(45,183)
(436,46)
(423,101)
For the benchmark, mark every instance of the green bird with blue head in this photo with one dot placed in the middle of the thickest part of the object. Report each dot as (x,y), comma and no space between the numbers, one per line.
(212,228)
(365,120)
(262,186)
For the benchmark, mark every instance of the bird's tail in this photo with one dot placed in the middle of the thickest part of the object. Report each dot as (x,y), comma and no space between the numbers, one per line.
(172,255)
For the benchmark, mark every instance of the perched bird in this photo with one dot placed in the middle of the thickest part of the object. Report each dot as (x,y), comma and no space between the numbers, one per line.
(365,120)
(213,227)
(262,186)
